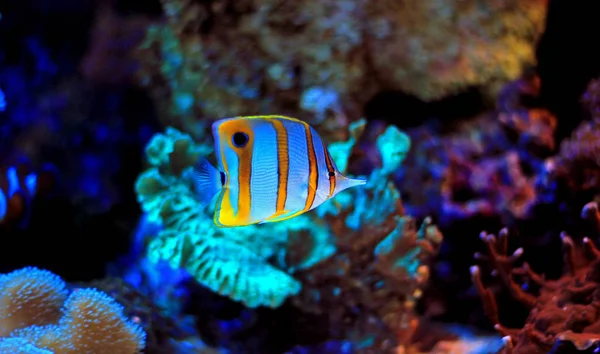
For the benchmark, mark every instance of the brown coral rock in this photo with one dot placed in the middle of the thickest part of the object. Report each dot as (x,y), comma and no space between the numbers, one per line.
(225,58)
(368,290)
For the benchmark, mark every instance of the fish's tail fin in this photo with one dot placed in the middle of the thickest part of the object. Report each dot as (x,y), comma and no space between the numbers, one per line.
(207,181)
(344,182)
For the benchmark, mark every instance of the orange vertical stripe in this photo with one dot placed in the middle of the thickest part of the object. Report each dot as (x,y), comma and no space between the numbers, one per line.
(244,154)
(313,177)
(245,174)
(283,164)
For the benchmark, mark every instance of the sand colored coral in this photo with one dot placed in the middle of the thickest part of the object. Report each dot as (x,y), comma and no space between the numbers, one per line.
(95,324)
(344,50)
(38,317)
(29,297)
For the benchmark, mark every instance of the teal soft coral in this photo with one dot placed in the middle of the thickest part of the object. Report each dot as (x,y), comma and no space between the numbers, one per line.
(232,262)
(37,315)
(338,251)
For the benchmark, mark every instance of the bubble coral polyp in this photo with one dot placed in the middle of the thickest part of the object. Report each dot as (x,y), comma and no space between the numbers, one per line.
(563,315)
(38,315)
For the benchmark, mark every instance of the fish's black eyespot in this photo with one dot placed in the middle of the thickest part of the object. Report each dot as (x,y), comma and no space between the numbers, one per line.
(331,174)
(240,139)
(222,178)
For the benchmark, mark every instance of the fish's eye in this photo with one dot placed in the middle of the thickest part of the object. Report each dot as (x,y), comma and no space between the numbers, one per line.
(331,173)
(240,139)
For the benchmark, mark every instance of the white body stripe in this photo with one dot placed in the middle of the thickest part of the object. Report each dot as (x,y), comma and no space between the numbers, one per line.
(297,189)
(264,177)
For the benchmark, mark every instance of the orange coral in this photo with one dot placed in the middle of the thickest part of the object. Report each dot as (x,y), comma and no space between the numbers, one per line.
(30,296)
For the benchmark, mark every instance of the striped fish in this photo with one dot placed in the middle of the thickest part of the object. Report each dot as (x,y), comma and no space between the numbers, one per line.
(16,192)
(270,168)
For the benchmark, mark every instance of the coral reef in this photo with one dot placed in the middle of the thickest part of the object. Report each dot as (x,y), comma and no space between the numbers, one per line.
(563,315)
(358,250)
(443,338)
(232,262)
(485,166)
(51,114)
(368,288)
(312,59)
(167,330)
(38,315)
(575,169)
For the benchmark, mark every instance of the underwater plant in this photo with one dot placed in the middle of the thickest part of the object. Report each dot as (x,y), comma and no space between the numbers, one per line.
(39,315)
(563,314)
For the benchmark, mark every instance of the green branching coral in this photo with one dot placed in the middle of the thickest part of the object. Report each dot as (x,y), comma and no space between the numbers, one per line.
(231,262)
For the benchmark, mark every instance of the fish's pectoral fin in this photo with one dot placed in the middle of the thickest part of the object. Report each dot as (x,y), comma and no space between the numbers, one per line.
(207,181)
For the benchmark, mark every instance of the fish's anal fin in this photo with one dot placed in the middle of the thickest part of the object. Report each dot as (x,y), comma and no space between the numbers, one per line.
(283,215)
(207,180)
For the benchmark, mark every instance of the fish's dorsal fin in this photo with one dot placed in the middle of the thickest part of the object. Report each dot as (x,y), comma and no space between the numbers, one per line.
(273,116)
(207,180)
